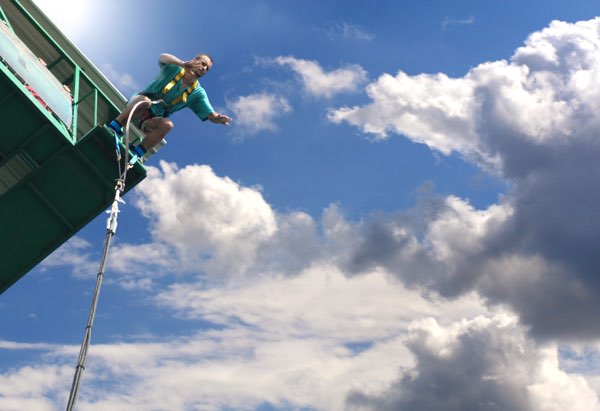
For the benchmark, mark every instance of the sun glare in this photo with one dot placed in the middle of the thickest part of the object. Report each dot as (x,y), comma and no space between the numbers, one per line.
(69,16)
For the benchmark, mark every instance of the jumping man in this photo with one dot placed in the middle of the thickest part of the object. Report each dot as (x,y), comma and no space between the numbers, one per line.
(175,87)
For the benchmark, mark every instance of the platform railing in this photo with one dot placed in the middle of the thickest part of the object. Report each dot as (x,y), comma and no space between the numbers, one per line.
(89,104)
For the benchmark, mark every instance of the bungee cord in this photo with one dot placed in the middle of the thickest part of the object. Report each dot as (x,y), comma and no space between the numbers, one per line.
(111,229)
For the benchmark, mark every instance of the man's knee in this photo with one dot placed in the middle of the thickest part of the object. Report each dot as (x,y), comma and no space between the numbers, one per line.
(143,103)
(166,125)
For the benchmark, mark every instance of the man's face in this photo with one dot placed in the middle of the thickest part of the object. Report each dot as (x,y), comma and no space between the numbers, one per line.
(201,65)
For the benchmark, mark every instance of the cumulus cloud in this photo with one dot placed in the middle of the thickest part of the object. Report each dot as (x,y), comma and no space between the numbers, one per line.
(216,225)
(358,344)
(344,333)
(435,110)
(207,219)
(436,245)
(532,121)
(318,83)
(201,221)
(545,95)
(345,309)
(206,223)
(257,112)
(350,334)
(480,364)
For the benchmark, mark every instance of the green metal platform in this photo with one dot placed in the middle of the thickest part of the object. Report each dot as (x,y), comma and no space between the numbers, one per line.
(57,172)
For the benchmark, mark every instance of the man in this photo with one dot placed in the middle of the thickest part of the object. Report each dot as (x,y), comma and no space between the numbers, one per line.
(175,87)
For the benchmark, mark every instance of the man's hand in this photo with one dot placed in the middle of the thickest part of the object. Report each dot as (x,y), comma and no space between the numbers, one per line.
(220,118)
(189,65)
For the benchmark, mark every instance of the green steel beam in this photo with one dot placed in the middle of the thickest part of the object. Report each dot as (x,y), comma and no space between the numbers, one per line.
(95,106)
(5,19)
(38,168)
(51,207)
(51,65)
(35,135)
(75,106)
(109,184)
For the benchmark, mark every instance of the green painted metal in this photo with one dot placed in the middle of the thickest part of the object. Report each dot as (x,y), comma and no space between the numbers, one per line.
(76,99)
(53,180)
(65,187)
(4,18)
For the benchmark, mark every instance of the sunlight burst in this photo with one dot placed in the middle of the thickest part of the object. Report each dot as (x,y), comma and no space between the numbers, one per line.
(69,16)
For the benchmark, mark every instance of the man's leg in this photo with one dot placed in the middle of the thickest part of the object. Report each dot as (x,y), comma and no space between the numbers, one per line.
(119,122)
(155,129)
(122,118)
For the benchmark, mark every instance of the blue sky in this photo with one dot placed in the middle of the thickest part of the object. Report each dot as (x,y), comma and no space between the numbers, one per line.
(406,199)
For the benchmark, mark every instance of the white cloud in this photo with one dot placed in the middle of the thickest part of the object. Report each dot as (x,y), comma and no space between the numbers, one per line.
(319,83)
(151,261)
(434,110)
(13,345)
(122,80)
(347,31)
(212,222)
(351,31)
(33,387)
(319,340)
(460,229)
(344,309)
(76,253)
(449,21)
(237,232)
(351,335)
(319,315)
(533,121)
(257,112)
(483,363)
(303,341)
(546,94)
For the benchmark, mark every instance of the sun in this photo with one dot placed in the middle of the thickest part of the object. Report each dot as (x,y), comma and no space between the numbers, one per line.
(70,16)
